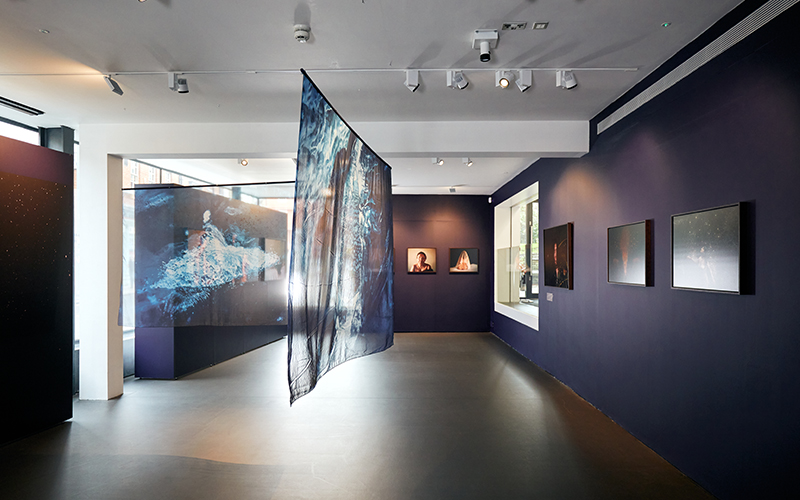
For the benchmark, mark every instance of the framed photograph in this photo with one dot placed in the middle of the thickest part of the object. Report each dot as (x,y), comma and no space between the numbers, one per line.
(421,261)
(463,261)
(558,256)
(630,254)
(706,250)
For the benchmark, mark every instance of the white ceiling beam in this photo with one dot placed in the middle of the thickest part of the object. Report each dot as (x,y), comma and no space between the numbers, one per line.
(388,139)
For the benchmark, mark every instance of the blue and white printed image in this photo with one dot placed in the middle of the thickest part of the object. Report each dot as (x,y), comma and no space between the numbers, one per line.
(203,259)
(341,304)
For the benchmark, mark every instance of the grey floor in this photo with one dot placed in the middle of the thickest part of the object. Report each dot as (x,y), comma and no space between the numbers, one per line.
(437,416)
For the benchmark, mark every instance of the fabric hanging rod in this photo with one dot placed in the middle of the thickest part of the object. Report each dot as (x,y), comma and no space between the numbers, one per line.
(322,70)
(175,186)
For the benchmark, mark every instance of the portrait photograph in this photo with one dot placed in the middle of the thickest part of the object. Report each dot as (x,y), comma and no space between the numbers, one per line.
(557,252)
(464,260)
(629,254)
(421,260)
(706,250)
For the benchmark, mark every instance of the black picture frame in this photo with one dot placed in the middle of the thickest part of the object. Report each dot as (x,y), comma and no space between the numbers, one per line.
(429,261)
(630,254)
(557,252)
(706,250)
(464,261)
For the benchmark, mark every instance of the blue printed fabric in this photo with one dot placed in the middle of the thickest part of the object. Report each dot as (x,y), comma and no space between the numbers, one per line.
(340,279)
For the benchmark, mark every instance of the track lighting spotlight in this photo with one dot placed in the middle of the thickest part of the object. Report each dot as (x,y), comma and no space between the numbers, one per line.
(177,84)
(565,79)
(412,79)
(114,86)
(525,80)
(467,162)
(456,80)
(243,162)
(437,161)
(484,40)
(503,79)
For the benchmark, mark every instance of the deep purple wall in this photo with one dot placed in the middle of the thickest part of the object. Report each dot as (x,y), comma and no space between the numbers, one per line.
(442,302)
(710,381)
(36,232)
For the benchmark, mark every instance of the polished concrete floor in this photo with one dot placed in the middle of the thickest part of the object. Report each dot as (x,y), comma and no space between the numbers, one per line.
(437,416)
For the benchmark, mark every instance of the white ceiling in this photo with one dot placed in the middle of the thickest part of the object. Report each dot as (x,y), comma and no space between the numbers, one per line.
(241,62)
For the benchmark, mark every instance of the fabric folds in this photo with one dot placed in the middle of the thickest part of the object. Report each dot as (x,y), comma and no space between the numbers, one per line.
(340,279)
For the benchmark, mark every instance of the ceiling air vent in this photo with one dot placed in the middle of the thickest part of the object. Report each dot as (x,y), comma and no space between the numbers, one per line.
(515,26)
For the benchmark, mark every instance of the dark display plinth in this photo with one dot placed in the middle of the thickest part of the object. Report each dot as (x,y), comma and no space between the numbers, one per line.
(169,353)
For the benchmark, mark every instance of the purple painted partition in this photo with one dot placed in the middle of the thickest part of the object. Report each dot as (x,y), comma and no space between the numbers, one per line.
(709,381)
(442,302)
(35,287)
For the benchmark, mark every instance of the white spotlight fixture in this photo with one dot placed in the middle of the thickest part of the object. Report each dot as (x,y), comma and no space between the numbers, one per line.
(177,84)
(412,79)
(484,40)
(437,161)
(456,80)
(525,80)
(302,32)
(467,162)
(243,162)
(114,86)
(503,79)
(565,79)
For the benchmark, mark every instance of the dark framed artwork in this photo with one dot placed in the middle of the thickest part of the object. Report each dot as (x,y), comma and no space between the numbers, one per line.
(706,250)
(421,260)
(630,254)
(558,256)
(463,261)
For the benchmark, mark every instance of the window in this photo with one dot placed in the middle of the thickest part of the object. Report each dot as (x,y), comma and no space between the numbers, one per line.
(19,132)
(517,257)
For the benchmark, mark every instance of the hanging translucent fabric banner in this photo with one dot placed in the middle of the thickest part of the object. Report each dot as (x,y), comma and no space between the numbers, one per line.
(340,279)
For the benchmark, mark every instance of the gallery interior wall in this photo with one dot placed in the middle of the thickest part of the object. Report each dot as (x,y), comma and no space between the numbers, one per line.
(709,381)
(36,229)
(442,302)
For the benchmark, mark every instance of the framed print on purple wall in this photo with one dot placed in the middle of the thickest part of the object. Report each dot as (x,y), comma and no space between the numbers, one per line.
(421,261)
(463,261)
(706,250)
(630,254)
(558,256)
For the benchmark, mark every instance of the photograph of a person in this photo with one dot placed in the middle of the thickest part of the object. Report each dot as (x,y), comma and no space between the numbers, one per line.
(629,254)
(421,261)
(558,256)
(464,260)
(706,250)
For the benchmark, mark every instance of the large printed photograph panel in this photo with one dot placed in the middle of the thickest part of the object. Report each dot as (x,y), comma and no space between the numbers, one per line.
(207,260)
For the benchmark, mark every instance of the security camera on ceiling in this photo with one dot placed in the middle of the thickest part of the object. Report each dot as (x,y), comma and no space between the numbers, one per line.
(484,40)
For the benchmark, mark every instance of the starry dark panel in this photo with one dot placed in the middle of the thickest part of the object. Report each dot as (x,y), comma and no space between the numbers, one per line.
(36,224)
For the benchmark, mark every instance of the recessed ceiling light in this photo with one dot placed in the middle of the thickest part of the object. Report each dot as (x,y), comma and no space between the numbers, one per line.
(540,26)
(44,31)
(665,25)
